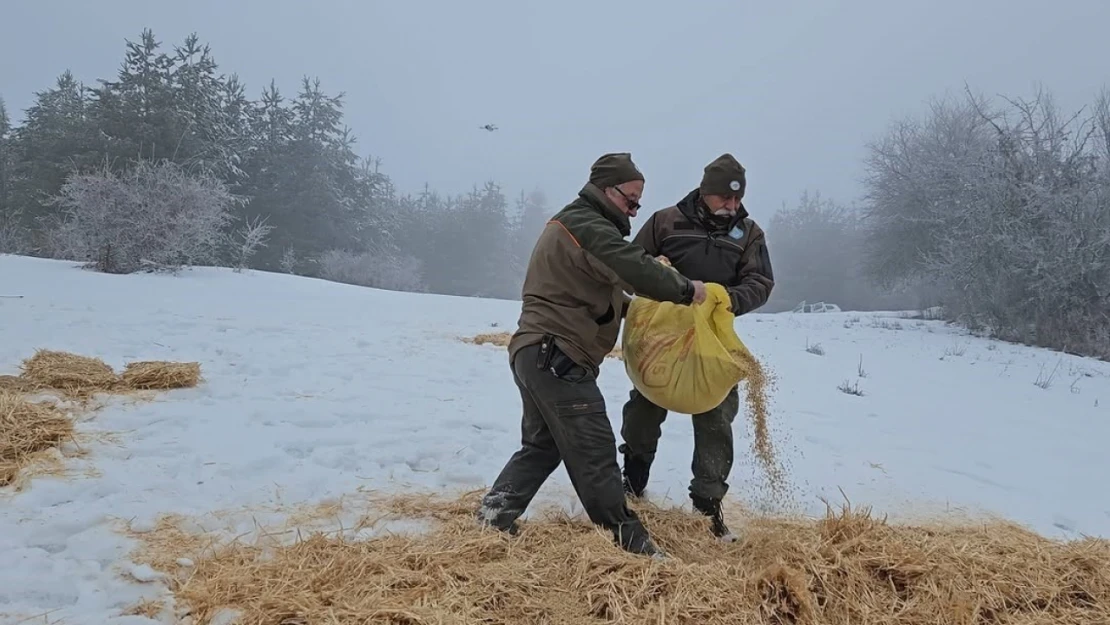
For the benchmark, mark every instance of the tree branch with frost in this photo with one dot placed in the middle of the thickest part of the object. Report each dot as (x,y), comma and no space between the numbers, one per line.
(247,240)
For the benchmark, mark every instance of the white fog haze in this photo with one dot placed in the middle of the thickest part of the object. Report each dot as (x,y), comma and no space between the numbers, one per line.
(443,100)
(262,269)
(794,91)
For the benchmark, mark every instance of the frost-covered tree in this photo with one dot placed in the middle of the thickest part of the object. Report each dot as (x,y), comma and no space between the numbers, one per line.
(919,188)
(1005,213)
(153,216)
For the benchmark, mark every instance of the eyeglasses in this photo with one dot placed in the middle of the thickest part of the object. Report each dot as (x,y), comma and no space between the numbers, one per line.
(632,204)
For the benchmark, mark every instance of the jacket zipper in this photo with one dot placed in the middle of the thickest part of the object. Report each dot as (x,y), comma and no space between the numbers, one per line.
(709,238)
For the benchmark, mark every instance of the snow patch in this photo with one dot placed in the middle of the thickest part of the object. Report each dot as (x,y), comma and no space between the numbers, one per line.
(314,390)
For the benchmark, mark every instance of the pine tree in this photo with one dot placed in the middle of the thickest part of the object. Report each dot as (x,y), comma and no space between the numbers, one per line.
(137,111)
(5,161)
(11,231)
(58,137)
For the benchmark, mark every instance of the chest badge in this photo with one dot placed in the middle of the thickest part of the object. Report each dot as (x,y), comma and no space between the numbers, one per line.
(737,233)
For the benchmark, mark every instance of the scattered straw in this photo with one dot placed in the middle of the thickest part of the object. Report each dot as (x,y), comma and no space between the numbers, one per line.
(30,432)
(500,339)
(27,430)
(69,373)
(161,375)
(845,568)
(149,608)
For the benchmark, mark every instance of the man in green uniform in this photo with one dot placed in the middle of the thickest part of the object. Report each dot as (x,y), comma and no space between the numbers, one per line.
(708,236)
(573,303)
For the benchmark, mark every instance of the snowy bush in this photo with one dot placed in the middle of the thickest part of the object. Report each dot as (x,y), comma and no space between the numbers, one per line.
(154,216)
(1007,219)
(383,270)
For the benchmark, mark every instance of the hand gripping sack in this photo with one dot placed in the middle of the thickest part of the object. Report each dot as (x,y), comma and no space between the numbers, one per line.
(684,358)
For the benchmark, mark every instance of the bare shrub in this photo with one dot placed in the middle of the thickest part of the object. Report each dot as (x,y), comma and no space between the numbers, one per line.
(383,270)
(245,241)
(154,216)
(289,260)
(848,388)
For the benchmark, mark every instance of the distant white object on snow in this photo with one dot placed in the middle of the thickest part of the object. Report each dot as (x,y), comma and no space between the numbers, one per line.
(816,307)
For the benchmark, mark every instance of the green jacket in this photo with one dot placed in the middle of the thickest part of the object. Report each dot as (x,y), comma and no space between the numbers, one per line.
(577,277)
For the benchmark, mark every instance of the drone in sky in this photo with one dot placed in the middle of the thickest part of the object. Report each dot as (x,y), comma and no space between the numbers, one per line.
(489,127)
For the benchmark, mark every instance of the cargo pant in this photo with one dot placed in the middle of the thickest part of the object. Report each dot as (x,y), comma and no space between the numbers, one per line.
(564,420)
(713,441)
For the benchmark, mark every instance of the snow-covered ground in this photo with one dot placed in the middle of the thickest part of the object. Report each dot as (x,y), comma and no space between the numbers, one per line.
(314,389)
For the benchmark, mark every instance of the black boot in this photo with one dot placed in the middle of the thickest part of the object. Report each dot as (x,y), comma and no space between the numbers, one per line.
(490,514)
(712,509)
(635,471)
(634,538)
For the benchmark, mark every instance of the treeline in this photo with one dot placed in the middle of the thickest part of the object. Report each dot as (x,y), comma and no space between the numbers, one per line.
(170,163)
(999,214)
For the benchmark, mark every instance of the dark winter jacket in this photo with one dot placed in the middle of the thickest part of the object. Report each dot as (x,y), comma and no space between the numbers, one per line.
(733,254)
(577,276)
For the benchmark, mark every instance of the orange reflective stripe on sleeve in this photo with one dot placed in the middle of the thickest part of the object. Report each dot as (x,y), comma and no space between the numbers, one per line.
(560,224)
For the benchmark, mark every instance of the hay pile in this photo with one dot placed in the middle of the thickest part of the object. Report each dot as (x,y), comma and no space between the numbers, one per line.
(71,374)
(81,376)
(26,430)
(160,375)
(845,568)
(29,429)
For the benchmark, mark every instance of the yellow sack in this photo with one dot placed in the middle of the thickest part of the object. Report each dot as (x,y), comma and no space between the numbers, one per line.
(684,358)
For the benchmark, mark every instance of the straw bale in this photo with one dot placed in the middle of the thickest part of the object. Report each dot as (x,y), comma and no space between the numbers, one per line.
(160,375)
(848,567)
(77,375)
(27,430)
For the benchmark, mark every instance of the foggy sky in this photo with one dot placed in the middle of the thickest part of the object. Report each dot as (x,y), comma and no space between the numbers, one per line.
(794,93)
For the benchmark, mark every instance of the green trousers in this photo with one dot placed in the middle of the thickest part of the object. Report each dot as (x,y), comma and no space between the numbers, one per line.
(713,445)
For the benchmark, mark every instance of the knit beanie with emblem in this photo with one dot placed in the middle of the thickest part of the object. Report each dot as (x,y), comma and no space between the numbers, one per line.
(724,176)
(613,169)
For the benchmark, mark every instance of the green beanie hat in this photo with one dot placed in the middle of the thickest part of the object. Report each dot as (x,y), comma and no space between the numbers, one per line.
(613,169)
(724,176)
